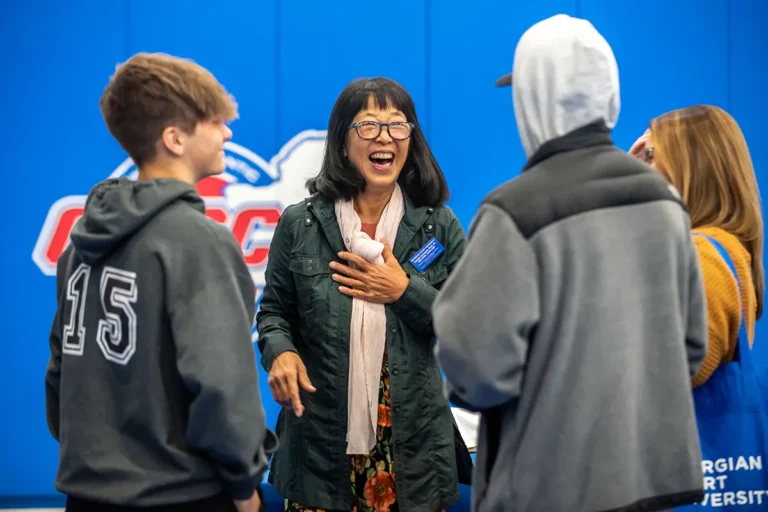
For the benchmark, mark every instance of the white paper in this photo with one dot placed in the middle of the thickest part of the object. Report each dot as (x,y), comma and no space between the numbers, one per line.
(469,425)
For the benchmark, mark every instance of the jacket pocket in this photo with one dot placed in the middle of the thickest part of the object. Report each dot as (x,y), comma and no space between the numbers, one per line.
(309,266)
(434,274)
(312,277)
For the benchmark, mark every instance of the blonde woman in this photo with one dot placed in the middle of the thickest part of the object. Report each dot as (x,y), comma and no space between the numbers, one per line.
(702,152)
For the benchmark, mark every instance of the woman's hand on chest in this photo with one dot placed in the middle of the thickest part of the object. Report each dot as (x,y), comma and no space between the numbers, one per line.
(382,284)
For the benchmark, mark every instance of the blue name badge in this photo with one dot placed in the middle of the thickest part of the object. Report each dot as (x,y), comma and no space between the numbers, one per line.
(427,254)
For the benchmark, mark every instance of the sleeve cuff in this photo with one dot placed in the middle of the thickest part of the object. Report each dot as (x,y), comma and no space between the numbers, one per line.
(242,489)
(415,305)
(273,348)
(419,295)
(454,399)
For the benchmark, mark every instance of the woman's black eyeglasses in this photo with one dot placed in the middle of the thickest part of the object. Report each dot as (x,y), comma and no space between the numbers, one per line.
(369,130)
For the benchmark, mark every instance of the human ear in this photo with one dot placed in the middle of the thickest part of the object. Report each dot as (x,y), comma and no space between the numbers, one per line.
(173,139)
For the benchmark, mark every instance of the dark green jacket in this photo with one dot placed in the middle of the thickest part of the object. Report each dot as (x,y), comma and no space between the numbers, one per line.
(303,311)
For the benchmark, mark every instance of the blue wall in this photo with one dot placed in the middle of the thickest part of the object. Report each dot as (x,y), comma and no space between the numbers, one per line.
(286,61)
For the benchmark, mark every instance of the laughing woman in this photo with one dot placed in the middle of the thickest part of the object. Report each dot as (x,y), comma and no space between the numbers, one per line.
(345,322)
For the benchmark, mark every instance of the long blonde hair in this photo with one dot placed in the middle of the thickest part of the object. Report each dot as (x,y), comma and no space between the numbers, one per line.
(702,152)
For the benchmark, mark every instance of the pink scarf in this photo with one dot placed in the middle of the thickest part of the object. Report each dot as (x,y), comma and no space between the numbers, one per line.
(368,333)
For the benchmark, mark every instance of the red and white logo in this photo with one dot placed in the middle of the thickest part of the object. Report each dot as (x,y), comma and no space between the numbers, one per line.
(248,197)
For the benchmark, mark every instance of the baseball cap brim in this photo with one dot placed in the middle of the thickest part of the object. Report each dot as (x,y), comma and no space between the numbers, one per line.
(505,81)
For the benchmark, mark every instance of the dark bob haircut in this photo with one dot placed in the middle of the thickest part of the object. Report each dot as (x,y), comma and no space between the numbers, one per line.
(421,179)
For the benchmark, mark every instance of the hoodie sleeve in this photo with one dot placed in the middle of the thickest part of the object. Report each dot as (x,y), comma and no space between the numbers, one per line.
(486,313)
(415,305)
(211,299)
(53,371)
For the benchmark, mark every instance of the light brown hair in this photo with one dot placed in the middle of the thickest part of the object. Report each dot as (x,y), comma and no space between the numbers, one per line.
(150,92)
(702,152)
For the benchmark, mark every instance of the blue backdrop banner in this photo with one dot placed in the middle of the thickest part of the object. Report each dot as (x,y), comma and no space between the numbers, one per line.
(286,62)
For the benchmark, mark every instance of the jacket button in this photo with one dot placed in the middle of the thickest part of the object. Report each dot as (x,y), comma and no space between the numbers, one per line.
(429,227)
(396,408)
(393,328)
(309,221)
(395,371)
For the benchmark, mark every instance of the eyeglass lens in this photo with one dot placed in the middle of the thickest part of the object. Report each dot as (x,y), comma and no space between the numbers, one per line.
(371,130)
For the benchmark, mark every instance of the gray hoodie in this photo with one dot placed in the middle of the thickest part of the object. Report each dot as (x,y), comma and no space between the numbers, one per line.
(576,317)
(152,389)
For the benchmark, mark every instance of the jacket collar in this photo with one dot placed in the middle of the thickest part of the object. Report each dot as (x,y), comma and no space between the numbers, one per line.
(593,134)
(413,219)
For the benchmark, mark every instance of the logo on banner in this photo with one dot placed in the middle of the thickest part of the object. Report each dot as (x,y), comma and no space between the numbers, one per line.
(248,197)
(721,492)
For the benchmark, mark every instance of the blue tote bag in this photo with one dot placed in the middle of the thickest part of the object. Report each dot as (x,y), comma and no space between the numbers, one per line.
(732,417)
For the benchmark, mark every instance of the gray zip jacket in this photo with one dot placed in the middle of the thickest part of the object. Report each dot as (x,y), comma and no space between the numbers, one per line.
(576,317)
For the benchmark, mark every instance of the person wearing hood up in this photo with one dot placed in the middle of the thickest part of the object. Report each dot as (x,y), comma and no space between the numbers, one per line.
(576,318)
(152,389)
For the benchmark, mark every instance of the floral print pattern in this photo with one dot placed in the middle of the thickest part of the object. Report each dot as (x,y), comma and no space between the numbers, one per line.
(372,477)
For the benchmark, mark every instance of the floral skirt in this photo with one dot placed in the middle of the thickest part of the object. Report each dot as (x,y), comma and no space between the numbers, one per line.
(372,477)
